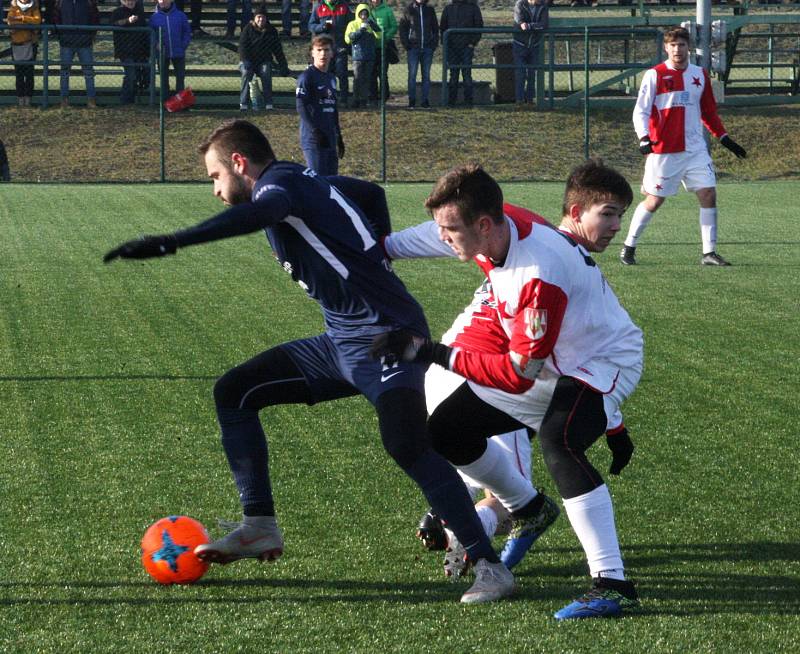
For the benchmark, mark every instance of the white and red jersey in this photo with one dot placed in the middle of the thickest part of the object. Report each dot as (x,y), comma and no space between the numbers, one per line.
(672,107)
(548,306)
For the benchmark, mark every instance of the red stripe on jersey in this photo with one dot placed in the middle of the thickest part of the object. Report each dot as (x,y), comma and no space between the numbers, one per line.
(669,125)
(524,218)
(484,333)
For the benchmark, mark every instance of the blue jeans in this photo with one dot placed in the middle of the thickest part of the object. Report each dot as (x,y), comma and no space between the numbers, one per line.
(459,60)
(286,16)
(128,92)
(230,16)
(264,72)
(525,78)
(86,58)
(325,161)
(417,57)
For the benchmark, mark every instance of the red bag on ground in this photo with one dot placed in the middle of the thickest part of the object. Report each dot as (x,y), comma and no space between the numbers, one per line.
(180,101)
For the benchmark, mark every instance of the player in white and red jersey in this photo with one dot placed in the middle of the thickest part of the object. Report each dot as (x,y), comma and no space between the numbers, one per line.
(571,353)
(675,102)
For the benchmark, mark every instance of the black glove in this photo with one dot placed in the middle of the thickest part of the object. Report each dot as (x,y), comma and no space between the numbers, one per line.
(322,138)
(340,147)
(645,145)
(727,142)
(405,346)
(145,247)
(621,448)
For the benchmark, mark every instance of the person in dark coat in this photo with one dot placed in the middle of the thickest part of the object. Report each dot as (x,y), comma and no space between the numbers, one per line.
(259,44)
(461,47)
(132,48)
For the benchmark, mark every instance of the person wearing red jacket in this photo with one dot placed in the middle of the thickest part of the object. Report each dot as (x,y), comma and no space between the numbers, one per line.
(675,101)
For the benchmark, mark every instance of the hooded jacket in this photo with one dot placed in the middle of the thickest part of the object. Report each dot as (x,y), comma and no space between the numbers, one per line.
(176,33)
(384,16)
(336,11)
(363,37)
(24,13)
(419,27)
(461,13)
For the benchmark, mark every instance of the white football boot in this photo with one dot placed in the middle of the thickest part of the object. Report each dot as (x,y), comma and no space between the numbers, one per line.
(493,581)
(252,539)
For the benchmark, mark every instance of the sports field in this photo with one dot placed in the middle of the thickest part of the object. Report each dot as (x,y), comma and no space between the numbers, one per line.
(107,424)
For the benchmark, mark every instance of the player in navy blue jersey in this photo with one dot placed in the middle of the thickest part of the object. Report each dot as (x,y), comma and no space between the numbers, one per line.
(329,246)
(320,136)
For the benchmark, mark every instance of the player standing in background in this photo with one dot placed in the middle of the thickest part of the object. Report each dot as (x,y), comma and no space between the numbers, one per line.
(326,244)
(572,354)
(320,135)
(675,101)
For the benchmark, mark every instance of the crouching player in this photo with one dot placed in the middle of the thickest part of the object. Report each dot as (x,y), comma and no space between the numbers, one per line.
(571,354)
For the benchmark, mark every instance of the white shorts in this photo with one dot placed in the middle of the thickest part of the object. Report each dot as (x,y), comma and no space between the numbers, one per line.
(516,445)
(664,172)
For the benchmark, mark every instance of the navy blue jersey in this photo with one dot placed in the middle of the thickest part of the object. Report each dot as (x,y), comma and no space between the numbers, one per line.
(316,106)
(324,241)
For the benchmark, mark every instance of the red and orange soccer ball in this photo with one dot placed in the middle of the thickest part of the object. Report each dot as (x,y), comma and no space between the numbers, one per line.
(168,550)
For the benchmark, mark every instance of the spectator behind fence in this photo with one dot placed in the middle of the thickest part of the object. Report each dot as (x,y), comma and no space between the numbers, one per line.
(383,15)
(332,17)
(230,17)
(80,42)
(196,7)
(130,47)
(320,134)
(175,38)
(24,45)
(259,44)
(461,47)
(530,17)
(286,17)
(362,34)
(5,169)
(419,34)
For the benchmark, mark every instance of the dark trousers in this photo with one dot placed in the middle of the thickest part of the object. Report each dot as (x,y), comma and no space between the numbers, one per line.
(179,70)
(459,60)
(339,67)
(24,75)
(380,75)
(128,92)
(325,161)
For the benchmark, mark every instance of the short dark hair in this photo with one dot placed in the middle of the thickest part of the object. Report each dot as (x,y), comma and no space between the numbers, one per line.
(594,183)
(677,33)
(321,39)
(472,190)
(236,135)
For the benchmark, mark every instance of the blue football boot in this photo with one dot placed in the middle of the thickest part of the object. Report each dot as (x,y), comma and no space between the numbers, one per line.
(605,599)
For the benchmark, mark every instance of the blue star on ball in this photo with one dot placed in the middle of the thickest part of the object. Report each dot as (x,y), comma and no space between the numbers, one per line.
(169,552)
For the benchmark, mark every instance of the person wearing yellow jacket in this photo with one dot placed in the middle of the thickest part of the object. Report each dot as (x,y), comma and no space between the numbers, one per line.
(362,34)
(24,45)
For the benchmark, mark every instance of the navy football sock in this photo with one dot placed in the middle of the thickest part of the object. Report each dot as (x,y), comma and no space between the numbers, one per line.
(245,446)
(448,497)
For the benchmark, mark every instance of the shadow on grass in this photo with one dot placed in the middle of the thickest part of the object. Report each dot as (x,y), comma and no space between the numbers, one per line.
(679,578)
(120,377)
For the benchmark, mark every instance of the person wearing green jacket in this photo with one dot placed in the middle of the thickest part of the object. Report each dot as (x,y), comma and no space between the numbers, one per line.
(382,14)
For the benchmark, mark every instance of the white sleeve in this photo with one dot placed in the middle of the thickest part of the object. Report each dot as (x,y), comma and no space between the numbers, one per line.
(644,104)
(416,242)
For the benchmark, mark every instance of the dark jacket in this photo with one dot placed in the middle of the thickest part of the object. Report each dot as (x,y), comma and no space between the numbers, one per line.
(419,27)
(461,13)
(536,15)
(337,11)
(76,12)
(130,45)
(262,46)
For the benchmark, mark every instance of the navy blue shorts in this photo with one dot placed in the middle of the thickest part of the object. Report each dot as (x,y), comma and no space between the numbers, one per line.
(340,367)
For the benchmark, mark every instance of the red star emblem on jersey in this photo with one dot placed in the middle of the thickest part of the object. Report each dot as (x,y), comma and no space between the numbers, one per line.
(695,81)
(659,187)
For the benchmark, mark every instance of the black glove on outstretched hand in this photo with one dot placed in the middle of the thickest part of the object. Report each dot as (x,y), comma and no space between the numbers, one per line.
(145,247)
(621,448)
(645,145)
(405,346)
(727,142)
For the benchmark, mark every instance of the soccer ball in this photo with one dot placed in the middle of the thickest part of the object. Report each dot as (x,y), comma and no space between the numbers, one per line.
(168,550)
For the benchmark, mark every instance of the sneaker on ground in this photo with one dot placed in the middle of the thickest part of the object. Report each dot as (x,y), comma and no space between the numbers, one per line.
(493,581)
(525,532)
(456,560)
(628,255)
(431,532)
(605,599)
(243,542)
(713,259)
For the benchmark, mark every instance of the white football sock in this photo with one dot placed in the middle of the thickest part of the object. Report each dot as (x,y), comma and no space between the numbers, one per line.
(641,218)
(494,470)
(592,518)
(488,519)
(708,229)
